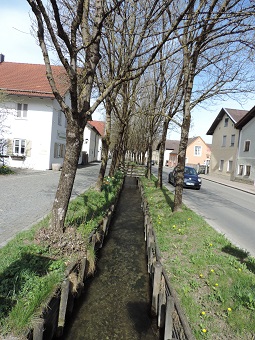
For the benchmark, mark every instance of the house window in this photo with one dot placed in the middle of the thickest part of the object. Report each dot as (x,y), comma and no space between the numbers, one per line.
(19,147)
(22,110)
(221,164)
(232,142)
(59,118)
(198,150)
(240,170)
(224,140)
(59,150)
(230,166)
(247,170)
(247,145)
(226,122)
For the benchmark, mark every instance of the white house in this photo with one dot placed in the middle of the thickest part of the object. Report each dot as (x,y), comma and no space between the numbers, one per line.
(36,136)
(245,166)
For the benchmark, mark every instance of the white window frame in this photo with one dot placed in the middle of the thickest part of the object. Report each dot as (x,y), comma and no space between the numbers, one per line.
(22,110)
(240,169)
(224,140)
(19,147)
(247,170)
(247,144)
(198,150)
(232,140)
(59,150)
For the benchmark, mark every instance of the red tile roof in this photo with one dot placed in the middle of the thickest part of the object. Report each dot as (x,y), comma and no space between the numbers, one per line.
(99,126)
(30,79)
(234,115)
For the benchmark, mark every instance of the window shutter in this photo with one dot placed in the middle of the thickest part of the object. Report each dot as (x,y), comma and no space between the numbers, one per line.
(19,108)
(28,148)
(25,110)
(9,147)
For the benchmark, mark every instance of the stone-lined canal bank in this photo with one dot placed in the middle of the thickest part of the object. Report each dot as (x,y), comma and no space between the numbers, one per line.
(116,302)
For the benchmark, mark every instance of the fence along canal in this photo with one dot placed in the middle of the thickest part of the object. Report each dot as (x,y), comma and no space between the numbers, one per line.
(130,296)
(116,303)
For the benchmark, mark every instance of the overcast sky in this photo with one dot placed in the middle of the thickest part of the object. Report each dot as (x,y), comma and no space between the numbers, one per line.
(18,45)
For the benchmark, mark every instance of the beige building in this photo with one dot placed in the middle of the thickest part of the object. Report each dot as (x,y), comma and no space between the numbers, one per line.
(225,142)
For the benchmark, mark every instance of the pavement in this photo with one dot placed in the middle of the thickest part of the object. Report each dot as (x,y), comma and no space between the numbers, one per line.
(249,188)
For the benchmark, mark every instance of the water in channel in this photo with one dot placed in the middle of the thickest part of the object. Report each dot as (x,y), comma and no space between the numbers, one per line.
(116,301)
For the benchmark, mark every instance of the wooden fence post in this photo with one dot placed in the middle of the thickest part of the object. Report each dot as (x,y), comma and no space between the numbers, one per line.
(62,306)
(169,318)
(38,330)
(156,287)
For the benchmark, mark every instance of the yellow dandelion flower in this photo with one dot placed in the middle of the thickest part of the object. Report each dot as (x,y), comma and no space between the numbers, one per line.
(229,309)
(212,270)
(216,284)
(210,244)
(203,313)
(204,330)
(201,275)
(189,218)
(174,226)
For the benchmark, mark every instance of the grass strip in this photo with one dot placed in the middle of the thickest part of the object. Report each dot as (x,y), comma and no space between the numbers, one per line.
(214,279)
(30,271)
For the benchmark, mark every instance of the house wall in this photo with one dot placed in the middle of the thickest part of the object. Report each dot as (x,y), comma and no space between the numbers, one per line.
(35,129)
(172,159)
(92,144)
(223,156)
(195,158)
(246,158)
(58,136)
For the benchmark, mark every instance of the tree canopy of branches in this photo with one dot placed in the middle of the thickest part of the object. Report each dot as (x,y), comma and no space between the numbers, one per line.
(73,29)
(193,51)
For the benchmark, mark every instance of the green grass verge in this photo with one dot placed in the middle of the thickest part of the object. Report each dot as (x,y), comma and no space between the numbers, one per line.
(5,170)
(30,273)
(215,280)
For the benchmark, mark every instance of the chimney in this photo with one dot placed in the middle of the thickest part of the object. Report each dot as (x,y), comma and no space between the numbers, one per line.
(1,58)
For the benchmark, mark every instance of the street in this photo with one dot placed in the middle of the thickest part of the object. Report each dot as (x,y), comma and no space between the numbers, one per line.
(227,210)
(28,196)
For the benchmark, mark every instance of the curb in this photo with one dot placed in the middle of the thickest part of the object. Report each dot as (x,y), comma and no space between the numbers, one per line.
(230,185)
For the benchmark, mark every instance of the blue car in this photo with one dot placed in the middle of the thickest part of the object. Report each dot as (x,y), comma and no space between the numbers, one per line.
(191,178)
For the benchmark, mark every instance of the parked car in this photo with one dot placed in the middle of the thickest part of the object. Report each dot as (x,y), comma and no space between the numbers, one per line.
(191,178)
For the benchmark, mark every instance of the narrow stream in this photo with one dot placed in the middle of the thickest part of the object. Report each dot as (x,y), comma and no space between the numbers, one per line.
(116,301)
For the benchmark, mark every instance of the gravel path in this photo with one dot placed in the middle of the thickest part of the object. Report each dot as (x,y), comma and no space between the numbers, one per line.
(27,196)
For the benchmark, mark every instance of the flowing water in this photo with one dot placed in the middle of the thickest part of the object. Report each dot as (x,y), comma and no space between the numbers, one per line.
(116,301)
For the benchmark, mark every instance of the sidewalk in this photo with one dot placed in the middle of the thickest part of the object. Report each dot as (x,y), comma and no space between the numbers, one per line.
(232,184)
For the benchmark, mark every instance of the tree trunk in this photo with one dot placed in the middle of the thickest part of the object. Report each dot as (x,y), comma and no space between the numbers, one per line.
(105,147)
(162,152)
(74,140)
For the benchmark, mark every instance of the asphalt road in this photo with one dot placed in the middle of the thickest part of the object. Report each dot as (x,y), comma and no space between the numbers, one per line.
(28,196)
(227,210)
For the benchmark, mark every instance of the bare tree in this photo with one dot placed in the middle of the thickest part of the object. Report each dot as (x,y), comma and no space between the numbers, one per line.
(212,40)
(74,30)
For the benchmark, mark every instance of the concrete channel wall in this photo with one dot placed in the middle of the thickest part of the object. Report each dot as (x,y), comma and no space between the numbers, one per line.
(165,304)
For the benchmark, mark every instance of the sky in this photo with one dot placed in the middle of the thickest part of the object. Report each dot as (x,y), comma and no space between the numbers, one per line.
(18,45)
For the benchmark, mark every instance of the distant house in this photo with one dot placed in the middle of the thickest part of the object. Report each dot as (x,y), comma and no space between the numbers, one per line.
(37,135)
(92,142)
(245,165)
(225,142)
(197,153)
